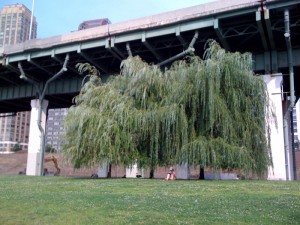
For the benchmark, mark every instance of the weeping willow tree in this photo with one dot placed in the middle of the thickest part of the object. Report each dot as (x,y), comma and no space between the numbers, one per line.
(212,112)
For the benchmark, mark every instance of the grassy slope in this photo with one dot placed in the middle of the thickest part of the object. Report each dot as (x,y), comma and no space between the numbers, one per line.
(61,200)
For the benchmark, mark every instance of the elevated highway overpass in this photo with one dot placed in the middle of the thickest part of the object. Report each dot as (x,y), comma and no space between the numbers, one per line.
(238,25)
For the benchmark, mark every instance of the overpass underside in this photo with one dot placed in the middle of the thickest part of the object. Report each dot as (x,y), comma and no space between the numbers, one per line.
(250,29)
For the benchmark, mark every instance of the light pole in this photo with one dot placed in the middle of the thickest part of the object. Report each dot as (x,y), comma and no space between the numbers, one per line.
(31,20)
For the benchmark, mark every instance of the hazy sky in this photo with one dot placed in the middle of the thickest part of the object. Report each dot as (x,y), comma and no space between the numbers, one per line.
(57,17)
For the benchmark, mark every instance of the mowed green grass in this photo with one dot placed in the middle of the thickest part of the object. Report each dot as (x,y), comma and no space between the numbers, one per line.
(64,200)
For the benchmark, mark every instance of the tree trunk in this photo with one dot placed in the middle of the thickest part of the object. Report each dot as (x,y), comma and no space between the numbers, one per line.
(109,171)
(201,176)
(151,173)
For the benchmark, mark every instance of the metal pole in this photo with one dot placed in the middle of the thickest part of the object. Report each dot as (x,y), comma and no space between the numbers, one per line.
(292,95)
(41,99)
(185,52)
(293,147)
(287,36)
(41,94)
(128,49)
(286,145)
(31,20)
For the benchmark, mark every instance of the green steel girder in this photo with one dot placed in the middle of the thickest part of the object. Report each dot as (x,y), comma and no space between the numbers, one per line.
(114,47)
(261,61)
(261,30)
(279,25)
(97,65)
(238,29)
(109,45)
(269,28)
(180,38)
(38,66)
(26,90)
(220,35)
(57,59)
(150,48)
(135,35)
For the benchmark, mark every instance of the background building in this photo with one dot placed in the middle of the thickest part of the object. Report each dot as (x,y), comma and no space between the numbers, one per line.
(15,24)
(296,125)
(54,127)
(14,130)
(14,28)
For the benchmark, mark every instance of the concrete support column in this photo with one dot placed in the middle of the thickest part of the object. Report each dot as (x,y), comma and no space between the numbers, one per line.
(183,171)
(103,170)
(35,137)
(278,172)
(134,171)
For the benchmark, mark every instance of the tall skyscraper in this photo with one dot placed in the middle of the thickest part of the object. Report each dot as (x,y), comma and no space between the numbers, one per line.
(15,24)
(14,28)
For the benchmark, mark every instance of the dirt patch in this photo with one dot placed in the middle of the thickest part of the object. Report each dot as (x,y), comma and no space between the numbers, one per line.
(13,163)
(16,162)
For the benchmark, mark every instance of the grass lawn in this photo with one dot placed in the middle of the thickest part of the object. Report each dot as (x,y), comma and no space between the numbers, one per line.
(64,200)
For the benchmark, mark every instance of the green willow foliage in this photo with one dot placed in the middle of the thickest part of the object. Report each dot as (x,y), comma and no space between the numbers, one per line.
(212,112)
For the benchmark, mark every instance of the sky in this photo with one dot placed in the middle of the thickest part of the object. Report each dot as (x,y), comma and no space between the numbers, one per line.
(56,17)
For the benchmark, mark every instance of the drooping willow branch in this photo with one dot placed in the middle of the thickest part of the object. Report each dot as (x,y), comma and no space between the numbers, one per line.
(211,112)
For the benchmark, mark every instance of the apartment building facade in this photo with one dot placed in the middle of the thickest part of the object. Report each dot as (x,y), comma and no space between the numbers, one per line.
(15,22)
(54,128)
